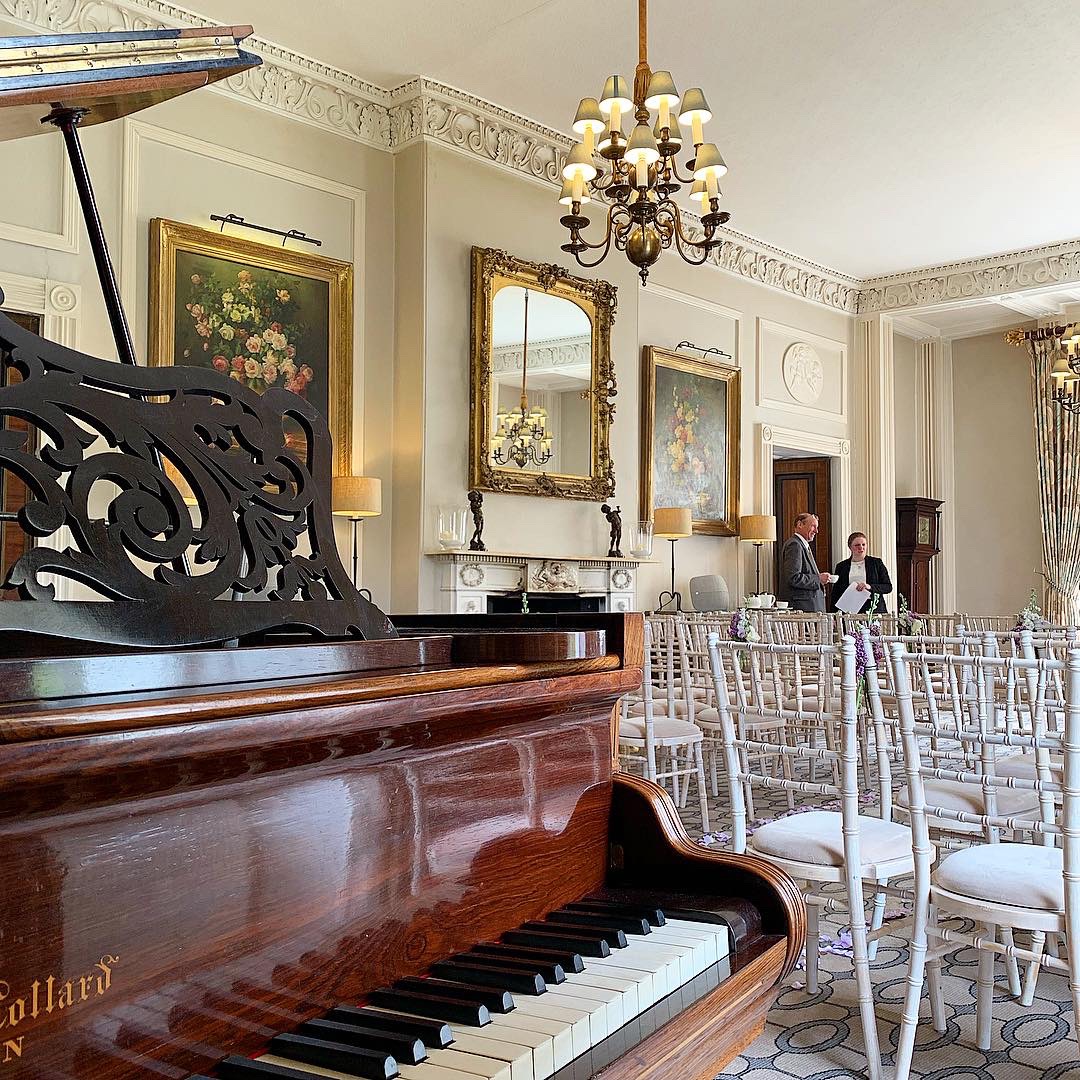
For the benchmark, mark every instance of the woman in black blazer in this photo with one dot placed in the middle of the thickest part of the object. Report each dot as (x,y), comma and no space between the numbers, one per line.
(871,573)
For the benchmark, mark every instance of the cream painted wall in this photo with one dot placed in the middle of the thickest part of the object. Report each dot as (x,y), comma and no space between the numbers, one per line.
(207,153)
(997,500)
(906,415)
(475,204)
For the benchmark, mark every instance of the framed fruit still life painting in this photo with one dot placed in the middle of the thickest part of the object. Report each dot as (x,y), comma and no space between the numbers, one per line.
(264,316)
(690,439)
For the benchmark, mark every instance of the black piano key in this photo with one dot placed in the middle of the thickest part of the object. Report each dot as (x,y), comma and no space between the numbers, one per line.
(505,978)
(242,1068)
(554,939)
(551,973)
(371,1064)
(568,960)
(452,1010)
(406,1048)
(497,1001)
(653,914)
(612,935)
(628,924)
(433,1033)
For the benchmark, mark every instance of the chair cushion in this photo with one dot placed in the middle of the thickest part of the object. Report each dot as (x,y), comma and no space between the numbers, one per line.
(1022,766)
(663,728)
(957,795)
(817,837)
(1023,875)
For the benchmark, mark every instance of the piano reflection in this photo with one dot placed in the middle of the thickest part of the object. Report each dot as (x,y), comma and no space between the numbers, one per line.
(291,837)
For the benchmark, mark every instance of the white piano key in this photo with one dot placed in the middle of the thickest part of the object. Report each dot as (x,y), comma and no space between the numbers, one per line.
(626,988)
(450,1064)
(704,947)
(723,935)
(665,966)
(687,965)
(518,1056)
(558,1033)
(647,982)
(580,1021)
(612,1000)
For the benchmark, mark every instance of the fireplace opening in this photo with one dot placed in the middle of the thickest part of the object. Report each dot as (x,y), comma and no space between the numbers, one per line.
(545,603)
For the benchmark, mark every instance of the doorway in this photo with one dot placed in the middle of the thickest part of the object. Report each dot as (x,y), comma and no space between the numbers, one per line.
(803,484)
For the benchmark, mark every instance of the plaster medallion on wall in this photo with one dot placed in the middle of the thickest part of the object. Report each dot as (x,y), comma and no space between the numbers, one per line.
(621,578)
(804,374)
(471,575)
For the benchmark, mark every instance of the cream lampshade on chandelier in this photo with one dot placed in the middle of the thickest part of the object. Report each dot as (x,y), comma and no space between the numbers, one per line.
(641,174)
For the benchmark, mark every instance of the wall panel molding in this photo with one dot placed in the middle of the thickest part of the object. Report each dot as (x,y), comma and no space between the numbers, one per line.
(799,408)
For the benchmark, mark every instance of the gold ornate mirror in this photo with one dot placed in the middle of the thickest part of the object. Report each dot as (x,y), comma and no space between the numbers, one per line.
(542,380)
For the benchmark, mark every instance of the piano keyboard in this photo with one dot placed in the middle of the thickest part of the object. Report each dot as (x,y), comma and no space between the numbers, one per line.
(557,998)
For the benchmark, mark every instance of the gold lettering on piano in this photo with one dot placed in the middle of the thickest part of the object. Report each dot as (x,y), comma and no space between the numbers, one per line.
(46,996)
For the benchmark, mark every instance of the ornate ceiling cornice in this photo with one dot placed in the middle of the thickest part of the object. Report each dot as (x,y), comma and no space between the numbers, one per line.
(973,279)
(326,97)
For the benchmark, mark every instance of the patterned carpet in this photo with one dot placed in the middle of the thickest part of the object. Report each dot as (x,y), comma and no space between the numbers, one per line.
(820,1037)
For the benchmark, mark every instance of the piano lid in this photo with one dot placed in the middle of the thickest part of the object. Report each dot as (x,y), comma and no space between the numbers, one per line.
(111,74)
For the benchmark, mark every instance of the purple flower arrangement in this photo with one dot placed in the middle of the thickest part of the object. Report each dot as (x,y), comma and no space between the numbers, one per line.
(742,627)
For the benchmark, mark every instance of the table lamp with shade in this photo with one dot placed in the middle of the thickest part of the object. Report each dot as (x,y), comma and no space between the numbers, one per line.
(357,497)
(672,523)
(757,529)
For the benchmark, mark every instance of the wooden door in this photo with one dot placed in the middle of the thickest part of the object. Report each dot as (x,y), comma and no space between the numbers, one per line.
(802,484)
(13,541)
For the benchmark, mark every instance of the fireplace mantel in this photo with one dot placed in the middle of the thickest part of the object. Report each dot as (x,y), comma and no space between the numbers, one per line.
(469,577)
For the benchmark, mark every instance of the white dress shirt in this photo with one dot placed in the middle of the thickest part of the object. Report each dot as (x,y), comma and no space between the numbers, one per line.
(857,572)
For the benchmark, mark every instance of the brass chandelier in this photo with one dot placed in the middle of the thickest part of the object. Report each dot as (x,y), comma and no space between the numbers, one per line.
(522,436)
(641,174)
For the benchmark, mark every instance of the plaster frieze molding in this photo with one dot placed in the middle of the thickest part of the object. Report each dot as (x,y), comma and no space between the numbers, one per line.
(544,355)
(974,279)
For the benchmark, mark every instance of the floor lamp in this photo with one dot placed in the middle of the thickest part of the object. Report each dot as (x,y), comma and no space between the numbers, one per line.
(357,497)
(757,529)
(672,523)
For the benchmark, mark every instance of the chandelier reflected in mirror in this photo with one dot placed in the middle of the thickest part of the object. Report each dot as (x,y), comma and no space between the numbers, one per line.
(1065,372)
(522,436)
(638,176)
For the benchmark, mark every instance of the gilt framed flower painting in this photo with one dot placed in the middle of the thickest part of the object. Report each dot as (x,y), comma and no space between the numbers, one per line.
(264,316)
(690,439)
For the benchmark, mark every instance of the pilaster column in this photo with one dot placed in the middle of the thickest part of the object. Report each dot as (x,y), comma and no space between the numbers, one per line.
(877,433)
(935,384)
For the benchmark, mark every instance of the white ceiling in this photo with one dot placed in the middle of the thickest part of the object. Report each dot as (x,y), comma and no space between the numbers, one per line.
(965,319)
(869,137)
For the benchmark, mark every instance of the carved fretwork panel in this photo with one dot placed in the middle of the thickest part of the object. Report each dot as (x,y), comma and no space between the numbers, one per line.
(177,489)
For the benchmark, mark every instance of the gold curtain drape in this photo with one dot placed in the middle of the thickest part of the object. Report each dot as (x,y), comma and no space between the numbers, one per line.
(1057,457)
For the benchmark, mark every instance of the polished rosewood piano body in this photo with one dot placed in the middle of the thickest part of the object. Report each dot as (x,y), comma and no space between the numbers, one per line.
(201,848)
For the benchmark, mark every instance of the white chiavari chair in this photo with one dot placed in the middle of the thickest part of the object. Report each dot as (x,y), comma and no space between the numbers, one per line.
(653,740)
(818,847)
(1000,886)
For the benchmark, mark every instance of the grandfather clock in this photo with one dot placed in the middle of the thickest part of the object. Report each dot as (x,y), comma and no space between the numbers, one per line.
(917,526)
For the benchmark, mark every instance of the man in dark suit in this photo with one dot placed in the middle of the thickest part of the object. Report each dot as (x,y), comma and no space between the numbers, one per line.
(802,584)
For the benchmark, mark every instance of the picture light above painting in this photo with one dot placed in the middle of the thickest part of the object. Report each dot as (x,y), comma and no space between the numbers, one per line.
(690,439)
(268,317)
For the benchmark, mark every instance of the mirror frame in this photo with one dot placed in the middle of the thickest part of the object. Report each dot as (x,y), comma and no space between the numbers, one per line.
(493,269)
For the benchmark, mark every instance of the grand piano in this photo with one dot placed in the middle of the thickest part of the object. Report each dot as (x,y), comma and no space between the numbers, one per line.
(252,827)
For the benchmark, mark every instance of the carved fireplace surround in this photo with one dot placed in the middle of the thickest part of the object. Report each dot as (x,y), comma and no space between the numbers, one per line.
(470,578)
